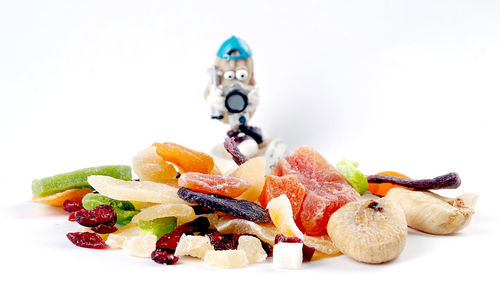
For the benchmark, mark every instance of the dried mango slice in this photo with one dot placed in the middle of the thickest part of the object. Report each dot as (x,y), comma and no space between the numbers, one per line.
(288,185)
(144,191)
(213,184)
(266,232)
(281,214)
(57,200)
(226,258)
(149,166)
(77,179)
(252,171)
(192,245)
(252,248)
(185,159)
(182,212)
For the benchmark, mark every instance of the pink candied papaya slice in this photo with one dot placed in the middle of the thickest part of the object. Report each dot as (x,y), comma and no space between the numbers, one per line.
(185,159)
(214,184)
(326,189)
(288,185)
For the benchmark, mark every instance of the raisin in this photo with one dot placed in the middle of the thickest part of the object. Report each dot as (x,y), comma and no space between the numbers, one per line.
(307,251)
(220,241)
(70,206)
(87,240)
(103,214)
(104,229)
(237,208)
(163,257)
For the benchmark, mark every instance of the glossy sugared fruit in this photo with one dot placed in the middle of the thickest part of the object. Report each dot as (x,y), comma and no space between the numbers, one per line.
(182,212)
(252,171)
(326,188)
(287,185)
(252,248)
(237,208)
(280,211)
(140,246)
(193,245)
(185,159)
(226,258)
(213,184)
(149,166)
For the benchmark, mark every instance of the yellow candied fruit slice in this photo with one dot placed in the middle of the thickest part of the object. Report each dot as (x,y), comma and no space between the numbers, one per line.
(183,213)
(149,166)
(116,239)
(266,232)
(140,246)
(143,191)
(252,248)
(193,245)
(252,171)
(226,258)
(281,214)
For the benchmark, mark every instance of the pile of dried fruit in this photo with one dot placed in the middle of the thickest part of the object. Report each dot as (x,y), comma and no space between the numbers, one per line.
(305,209)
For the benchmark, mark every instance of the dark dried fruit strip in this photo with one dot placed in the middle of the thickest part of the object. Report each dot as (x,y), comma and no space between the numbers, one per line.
(237,208)
(163,257)
(103,214)
(448,181)
(70,206)
(87,240)
(232,147)
(307,251)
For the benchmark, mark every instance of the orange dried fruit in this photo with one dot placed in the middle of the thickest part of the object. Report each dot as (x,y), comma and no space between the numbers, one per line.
(287,185)
(185,159)
(213,184)
(57,200)
(381,189)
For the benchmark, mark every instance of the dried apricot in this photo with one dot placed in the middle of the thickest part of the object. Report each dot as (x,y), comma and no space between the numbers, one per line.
(185,159)
(213,184)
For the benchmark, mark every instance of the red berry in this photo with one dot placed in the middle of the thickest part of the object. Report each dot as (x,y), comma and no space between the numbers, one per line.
(103,214)
(103,229)
(163,257)
(70,206)
(169,241)
(87,240)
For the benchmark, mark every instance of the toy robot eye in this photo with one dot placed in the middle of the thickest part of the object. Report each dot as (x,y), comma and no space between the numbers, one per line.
(229,75)
(241,74)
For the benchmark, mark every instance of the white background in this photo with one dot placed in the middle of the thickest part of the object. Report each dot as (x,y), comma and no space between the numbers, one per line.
(410,86)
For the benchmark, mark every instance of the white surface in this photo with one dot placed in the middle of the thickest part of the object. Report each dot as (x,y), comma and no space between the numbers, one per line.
(395,85)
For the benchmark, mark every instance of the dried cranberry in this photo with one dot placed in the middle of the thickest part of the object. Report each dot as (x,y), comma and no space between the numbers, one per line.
(200,224)
(219,241)
(104,229)
(169,241)
(70,206)
(87,240)
(163,257)
(307,251)
(103,214)
(72,217)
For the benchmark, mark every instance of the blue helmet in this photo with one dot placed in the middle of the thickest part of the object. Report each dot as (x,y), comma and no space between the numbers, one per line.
(234,44)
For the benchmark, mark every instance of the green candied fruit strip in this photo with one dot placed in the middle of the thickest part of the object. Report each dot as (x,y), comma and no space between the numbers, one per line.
(124,209)
(77,179)
(158,226)
(349,170)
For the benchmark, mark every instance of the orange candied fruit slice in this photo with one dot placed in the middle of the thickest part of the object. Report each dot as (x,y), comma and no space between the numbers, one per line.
(288,185)
(57,200)
(381,189)
(214,184)
(185,159)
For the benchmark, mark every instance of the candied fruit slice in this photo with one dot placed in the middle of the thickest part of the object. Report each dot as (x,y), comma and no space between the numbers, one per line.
(185,159)
(237,208)
(265,232)
(87,240)
(77,179)
(226,258)
(322,244)
(125,210)
(157,227)
(288,185)
(144,191)
(183,213)
(149,166)
(287,255)
(349,170)
(117,238)
(252,248)
(252,171)
(193,245)
(140,246)
(326,189)
(57,200)
(281,214)
(213,184)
